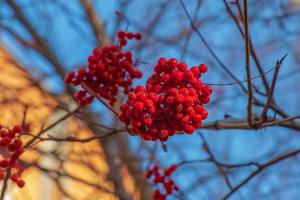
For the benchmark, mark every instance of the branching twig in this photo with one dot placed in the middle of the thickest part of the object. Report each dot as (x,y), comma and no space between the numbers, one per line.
(74,139)
(213,159)
(260,169)
(271,91)
(91,92)
(50,127)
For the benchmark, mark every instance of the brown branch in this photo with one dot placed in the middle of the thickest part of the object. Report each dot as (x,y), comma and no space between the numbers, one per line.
(260,169)
(95,23)
(84,118)
(231,123)
(74,139)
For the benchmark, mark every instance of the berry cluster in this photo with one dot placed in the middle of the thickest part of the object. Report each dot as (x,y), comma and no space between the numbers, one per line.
(171,102)
(108,69)
(162,177)
(11,147)
(123,36)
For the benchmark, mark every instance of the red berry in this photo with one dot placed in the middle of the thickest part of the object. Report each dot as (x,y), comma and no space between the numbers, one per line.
(162,178)
(203,68)
(121,34)
(138,36)
(17,129)
(129,35)
(138,74)
(123,42)
(69,77)
(139,106)
(20,183)
(14,177)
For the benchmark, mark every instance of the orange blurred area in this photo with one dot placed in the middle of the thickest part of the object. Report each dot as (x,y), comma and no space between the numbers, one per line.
(61,170)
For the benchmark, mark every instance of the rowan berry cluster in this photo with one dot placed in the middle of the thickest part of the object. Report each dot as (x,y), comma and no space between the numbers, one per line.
(11,147)
(162,177)
(171,102)
(108,69)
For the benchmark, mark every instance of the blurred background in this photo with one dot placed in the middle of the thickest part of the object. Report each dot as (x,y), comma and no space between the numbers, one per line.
(41,40)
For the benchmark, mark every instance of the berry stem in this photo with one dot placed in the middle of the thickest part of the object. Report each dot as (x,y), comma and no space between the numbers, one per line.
(91,92)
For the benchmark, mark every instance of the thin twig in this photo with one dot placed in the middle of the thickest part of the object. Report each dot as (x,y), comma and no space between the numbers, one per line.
(213,159)
(252,50)
(207,45)
(51,126)
(260,169)
(91,92)
(74,139)
(244,81)
(271,91)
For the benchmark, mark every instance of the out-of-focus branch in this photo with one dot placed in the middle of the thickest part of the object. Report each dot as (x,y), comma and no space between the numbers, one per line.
(44,49)
(74,139)
(5,183)
(108,146)
(65,175)
(63,118)
(95,23)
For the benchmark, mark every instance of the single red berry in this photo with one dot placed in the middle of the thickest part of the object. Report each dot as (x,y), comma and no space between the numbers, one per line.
(121,34)
(123,42)
(20,183)
(129,35)
(17,129)
(139,106)
(14,177)
(203,68)
(138,36)
(138,74)
(69,77)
